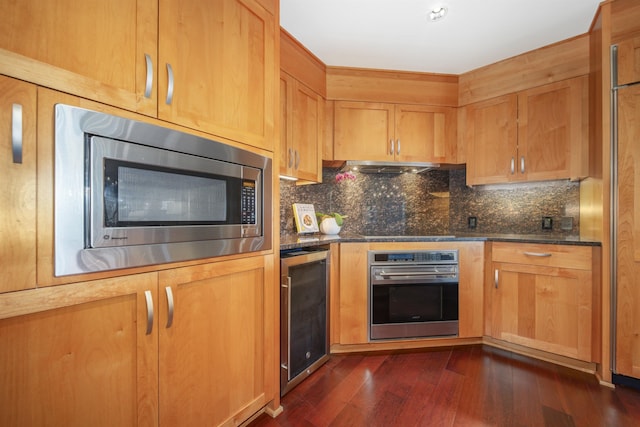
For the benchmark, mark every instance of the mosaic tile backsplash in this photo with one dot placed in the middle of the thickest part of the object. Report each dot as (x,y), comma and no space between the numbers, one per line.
(435,202)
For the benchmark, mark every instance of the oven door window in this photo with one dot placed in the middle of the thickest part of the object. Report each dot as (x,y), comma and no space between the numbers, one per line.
(406,303)
(141,195)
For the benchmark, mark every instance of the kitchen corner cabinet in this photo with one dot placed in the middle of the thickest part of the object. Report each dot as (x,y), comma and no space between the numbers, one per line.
(533,135)
(216,351)
(18,195)
(219,68)
(349,325)
(546,297)
(302,130)
(390,132)
(99,50)
(83,354)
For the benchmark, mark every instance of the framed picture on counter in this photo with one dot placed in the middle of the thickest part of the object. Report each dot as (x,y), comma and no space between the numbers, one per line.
(304,215)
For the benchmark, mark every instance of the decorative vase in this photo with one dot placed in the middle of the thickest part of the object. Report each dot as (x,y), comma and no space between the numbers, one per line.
(329,226)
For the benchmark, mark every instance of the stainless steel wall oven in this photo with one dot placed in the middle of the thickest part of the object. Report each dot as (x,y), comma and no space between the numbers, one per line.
(413,294)
(129,193)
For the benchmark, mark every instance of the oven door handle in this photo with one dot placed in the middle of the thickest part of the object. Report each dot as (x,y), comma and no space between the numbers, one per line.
(415,273)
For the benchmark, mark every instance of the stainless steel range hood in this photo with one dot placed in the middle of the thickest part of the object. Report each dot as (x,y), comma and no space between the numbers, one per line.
(365,166)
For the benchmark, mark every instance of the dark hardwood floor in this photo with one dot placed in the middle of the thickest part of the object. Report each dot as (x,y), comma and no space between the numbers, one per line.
(460,386)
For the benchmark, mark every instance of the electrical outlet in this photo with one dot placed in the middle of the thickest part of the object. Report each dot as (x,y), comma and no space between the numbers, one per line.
(472,221)
(566,223)
(547,223)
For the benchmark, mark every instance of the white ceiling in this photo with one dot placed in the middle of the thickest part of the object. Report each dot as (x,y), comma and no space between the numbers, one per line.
(396,34)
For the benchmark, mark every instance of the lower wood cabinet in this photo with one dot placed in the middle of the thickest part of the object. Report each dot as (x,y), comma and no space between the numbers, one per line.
(546,297)
(212,351)
(189,346)
(83,354)
(349,298)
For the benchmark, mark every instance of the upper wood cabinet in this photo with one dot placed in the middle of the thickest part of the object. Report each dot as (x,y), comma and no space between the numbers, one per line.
(18,195)
(302,130)
(104,51)
(218,69)
(84,354)
(390,132)
(629,61)
(210,66)
(536,134)
(546,297)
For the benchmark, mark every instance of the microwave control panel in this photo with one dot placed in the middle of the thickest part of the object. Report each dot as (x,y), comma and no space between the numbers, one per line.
(248,202)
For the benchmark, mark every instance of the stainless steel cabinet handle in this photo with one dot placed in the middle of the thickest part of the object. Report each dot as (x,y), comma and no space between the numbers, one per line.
(513,165)
(538,254)
(398,150)
(297,159)
(149,297)
(522,164)
(16,132)
(148,85)
(169,84)
(290,157)
(169,293)
(496,276)
(392,148)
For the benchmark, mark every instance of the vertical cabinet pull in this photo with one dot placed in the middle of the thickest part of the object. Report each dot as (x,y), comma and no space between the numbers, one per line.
(169,293)
(496,277)
(290,157)
(398,148)
(16,132)
(149,298)
(169,84)
(522,164)
(512,168)
(392,148)
(148,84)
(297,159)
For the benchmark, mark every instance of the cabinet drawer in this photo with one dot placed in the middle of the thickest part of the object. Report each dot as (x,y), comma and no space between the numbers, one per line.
(566,256)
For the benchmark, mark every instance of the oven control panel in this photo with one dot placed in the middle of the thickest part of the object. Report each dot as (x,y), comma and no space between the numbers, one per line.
(414,257)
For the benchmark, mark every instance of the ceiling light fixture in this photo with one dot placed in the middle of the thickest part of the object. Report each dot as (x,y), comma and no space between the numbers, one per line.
(438,13)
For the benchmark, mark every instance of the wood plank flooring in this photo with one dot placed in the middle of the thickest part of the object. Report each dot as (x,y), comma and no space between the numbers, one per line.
(458,386)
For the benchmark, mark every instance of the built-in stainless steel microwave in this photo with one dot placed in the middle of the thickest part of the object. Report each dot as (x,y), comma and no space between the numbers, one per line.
(129,193)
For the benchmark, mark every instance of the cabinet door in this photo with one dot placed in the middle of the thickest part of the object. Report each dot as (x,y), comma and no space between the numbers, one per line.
(364,131)
(17,198)
(546,308)
(219,60)
(629,61)
(628,234)
(553,131)
(97,48)
(425,133)
(83,354)
(302,130)
(492,140)
(212,348)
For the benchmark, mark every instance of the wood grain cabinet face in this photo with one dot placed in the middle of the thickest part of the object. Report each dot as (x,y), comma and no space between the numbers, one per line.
(534,135)
(80,354)
(17,198)
(223,68)
(389,132)
(302,130)
(212,353)
(629,61)
(98,50)
(544,300)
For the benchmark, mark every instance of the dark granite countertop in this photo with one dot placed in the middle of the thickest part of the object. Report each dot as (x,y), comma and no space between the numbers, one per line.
(292,241)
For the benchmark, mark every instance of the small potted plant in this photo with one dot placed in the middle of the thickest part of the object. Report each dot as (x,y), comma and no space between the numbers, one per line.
(330,223)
